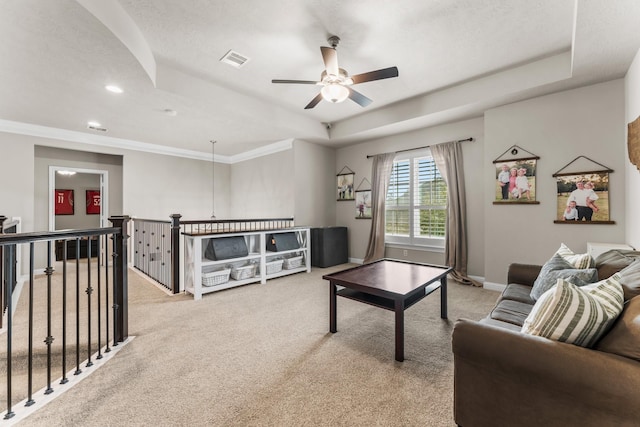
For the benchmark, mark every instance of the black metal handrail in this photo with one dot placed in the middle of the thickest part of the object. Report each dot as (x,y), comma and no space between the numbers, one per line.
(5,227)
(113,320)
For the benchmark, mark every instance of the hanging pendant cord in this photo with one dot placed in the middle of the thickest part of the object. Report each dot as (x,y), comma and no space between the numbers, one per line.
(213,179)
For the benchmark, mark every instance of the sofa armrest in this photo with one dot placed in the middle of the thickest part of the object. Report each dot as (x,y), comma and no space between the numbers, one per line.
(504,377)
(524,274)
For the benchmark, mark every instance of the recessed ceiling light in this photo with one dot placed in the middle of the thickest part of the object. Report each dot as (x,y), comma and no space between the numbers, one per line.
(113,88)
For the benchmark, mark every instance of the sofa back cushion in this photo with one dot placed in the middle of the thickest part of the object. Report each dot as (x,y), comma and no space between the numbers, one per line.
(610,262)
(630,280)
(624,337)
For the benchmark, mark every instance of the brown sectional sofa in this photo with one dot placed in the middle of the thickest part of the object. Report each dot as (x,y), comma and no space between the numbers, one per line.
(504,377)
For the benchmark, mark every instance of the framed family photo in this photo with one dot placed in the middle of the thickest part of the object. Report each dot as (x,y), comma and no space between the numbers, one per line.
(363,204)
(345,189)
(583,198)
(515,181)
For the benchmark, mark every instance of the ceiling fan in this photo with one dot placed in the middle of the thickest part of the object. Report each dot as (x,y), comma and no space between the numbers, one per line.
(336,82)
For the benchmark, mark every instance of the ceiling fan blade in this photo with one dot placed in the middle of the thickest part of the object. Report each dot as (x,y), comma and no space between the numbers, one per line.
(314,101)
(302,82)
(358,98)
(385,73)
(330,58)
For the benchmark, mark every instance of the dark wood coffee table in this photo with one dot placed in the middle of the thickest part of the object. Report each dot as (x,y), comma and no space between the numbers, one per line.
(390,284)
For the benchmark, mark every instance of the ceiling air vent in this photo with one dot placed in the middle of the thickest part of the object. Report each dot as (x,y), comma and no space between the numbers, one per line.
(234,59)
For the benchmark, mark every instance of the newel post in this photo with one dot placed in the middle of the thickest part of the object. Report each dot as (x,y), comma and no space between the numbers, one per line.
(120,280)
(2,281)
(175,253)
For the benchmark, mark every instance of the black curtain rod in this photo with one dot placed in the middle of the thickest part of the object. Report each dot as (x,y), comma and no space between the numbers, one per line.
(418,148)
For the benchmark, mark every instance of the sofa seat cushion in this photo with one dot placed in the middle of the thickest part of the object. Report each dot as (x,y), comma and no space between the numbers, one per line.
(576,315)
(559,268)
(517,292)
(624,337)
(500,324)
(514,312)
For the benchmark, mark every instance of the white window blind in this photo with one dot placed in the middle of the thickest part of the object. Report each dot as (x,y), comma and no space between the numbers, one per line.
(415,212)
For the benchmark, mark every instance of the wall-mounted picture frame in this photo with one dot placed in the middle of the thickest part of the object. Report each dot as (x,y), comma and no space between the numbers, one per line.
(363,204)
(583,198)
(63,202)
(345,189)
(516,181)
(93,202)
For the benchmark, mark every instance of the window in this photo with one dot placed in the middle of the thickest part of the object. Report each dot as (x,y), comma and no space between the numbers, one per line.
(415,212)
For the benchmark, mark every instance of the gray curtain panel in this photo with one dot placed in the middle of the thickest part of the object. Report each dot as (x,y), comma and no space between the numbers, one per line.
(448,159)
(380,174)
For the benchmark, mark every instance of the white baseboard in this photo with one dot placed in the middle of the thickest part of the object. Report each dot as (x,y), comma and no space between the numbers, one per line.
(499,287)
(476,278)
(356,261)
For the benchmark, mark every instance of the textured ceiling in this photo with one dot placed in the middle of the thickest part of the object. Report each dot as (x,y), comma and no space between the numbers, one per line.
(455,59)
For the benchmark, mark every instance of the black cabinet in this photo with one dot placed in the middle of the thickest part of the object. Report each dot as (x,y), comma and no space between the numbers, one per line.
(329,246)
(71,249)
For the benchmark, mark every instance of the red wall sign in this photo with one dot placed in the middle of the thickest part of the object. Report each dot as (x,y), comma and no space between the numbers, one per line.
(63,202)
(93,202)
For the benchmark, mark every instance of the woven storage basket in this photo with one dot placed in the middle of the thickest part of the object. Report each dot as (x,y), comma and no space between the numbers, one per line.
(293,262)
(274,266)
(216,277)
(243,272)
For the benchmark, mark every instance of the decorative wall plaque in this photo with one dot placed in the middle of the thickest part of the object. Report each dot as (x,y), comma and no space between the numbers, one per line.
(633,142)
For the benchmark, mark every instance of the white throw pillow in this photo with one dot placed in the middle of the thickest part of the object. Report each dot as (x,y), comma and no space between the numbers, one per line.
(576,315)
(577,260)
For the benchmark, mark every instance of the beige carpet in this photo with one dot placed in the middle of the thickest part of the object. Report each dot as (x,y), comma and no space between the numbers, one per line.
(261,355)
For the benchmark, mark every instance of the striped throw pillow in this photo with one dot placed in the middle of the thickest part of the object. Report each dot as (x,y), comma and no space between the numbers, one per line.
(576,315)
(577,260)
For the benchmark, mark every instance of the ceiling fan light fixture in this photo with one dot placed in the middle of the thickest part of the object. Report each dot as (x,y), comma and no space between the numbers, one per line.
(334,93)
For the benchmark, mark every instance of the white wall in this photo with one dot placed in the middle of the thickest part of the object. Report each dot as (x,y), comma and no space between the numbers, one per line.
(263,187)
(315,201)
(157,186)
(632,111)
(587,122)
(17,178)
(355,157)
